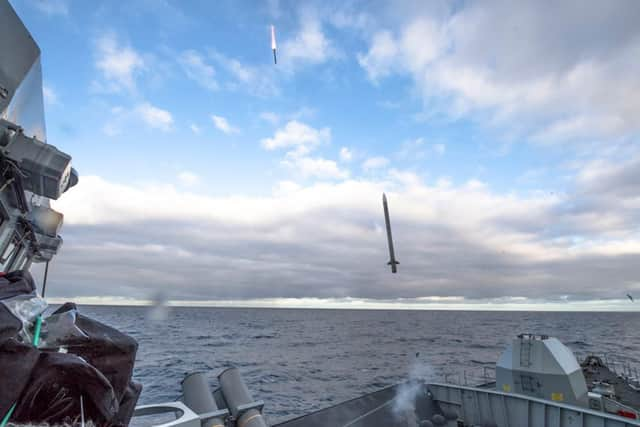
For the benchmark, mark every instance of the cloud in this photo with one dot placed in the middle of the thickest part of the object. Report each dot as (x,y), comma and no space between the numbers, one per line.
(151,116)
(325,241)
(375,163)
(299,136)
(502,63)
(118,63)
(270,117)
(50,95)
(418,148)
(378,62)
(309,167)
(155,117)
(300,140)
(345,154)
(195,128)
(309,46)
(198,70)
(256,80)
(188,178)
(52,7)
(439,148)
(223,125)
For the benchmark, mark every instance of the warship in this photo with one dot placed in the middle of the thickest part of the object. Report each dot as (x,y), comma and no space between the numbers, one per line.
(69,369)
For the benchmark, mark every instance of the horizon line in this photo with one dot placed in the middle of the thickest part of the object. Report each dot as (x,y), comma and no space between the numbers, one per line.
(447,304)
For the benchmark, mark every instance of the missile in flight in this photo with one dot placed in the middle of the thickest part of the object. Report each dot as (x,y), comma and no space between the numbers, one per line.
(273,44)
(392,256)
(630,297)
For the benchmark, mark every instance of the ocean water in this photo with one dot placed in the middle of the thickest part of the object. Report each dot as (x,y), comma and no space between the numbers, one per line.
(302,360)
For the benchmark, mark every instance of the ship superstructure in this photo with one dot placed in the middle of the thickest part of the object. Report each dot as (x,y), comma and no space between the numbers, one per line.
(538,383)
(32,172)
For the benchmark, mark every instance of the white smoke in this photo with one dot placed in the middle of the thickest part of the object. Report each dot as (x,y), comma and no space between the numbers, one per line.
(404,403)
(158,311)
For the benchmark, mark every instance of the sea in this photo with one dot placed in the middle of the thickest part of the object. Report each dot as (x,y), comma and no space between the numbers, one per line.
(301,360)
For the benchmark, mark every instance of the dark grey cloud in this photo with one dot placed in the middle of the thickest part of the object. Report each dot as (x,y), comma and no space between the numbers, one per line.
(454,241)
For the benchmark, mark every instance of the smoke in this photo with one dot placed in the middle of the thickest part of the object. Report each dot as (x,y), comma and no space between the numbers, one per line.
(158,310)
(404,404)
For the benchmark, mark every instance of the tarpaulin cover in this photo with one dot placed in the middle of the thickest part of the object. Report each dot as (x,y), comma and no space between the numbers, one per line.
(77,356)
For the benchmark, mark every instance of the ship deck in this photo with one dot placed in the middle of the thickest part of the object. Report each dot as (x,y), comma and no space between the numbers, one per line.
(625,394)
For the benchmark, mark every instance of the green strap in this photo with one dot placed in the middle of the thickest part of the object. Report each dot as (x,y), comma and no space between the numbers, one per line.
(36,341)
(5,420)
(36,333)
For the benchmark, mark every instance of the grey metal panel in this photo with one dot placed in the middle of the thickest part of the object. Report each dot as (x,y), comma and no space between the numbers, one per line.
(18,53)
(26,108)
(185,417)
(543,368)
(513,410)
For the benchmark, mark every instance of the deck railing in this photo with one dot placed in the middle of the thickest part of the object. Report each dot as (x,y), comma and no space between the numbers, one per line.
(619,365)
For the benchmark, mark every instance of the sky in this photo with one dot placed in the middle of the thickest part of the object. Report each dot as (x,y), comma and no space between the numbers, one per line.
(505,135)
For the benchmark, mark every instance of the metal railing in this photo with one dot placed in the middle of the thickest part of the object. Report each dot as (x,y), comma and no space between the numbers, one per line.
(471,377)
(619,365)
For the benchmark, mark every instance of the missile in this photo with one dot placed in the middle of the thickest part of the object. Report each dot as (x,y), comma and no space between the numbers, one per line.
(273,44)
(392,256)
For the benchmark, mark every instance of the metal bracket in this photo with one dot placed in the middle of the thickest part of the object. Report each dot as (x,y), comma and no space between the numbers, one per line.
(220,413)
(185,417)
(241,409)
(258,404)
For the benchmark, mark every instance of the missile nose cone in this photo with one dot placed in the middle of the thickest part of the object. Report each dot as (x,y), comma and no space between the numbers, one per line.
(384,198)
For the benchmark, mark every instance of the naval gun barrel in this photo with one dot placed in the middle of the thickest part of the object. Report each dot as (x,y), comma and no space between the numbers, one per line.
(197,396)
(244,409)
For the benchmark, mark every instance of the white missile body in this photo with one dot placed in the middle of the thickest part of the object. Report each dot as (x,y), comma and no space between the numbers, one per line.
(273,44)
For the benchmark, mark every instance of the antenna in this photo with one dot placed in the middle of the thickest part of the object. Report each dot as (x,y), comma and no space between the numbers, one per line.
(44,281)
(392,256)
(81,412)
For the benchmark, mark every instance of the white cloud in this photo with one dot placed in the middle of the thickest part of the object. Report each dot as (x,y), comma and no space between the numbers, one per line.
(155,117)
(345,154)
(111,129)
(473,61)
(300,140)
(188,178)
(50,95)
(303,138)
(375,163)
(310,46)
(418,148)
(119,64)
(196,68)
(52,7)
(285,187)
(270,117)
(223,125)
(195,128)
(439,148)
(580,127)
(412,148)
(381,57)
(320,168)
(258,80)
